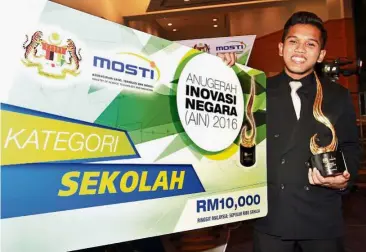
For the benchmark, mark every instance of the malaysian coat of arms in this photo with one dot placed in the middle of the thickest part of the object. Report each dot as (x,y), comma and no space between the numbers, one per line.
(54,57)
(202,47)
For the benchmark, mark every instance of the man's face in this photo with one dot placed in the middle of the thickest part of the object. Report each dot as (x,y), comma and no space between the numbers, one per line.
(301,50)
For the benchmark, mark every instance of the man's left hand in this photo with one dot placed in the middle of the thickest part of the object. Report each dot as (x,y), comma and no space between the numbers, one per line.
(335,182)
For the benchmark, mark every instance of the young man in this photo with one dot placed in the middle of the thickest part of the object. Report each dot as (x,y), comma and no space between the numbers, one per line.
(304,208)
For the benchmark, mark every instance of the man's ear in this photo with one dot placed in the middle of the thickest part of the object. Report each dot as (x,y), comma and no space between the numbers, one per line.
(321,56)
(280,49)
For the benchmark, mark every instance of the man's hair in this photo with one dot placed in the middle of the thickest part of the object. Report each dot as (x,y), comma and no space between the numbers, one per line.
(304,17)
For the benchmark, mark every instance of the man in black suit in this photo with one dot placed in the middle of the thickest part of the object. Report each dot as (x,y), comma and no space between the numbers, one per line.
(304,208)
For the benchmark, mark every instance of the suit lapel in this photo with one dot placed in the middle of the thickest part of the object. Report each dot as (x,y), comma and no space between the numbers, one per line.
(303,128)
(328,100)
(283,113)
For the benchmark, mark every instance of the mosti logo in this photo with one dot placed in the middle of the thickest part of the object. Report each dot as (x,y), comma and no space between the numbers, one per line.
(128,64)
(203,47)
(232,46)
(53,55)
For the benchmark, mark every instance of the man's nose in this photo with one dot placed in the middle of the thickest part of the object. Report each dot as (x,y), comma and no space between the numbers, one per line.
(300,47)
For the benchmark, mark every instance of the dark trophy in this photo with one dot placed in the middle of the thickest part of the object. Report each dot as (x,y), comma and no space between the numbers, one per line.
(328,159)
(247,141)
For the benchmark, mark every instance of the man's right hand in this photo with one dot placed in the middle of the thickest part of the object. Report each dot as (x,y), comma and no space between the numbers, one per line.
(228,58)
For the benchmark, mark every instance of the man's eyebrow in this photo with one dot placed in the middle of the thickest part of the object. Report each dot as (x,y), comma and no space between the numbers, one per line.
(316,41)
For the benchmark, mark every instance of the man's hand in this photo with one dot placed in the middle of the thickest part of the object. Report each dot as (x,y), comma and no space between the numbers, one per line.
(336,182)
(228,58)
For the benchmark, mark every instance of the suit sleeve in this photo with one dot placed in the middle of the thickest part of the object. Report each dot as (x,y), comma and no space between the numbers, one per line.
(348,138)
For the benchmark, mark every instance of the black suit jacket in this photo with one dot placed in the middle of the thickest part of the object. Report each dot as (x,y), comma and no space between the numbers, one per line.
(297,209)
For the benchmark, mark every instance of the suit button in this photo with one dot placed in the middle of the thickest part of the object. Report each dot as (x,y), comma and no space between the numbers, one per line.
(277,135)
(306,188)
(282,186)
(283,161)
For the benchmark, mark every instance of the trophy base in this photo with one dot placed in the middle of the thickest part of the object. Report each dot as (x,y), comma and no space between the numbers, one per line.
(247,156)
(329,163)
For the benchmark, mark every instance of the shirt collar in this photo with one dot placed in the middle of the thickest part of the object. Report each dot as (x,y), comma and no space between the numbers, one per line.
(308,82)
(308,79)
